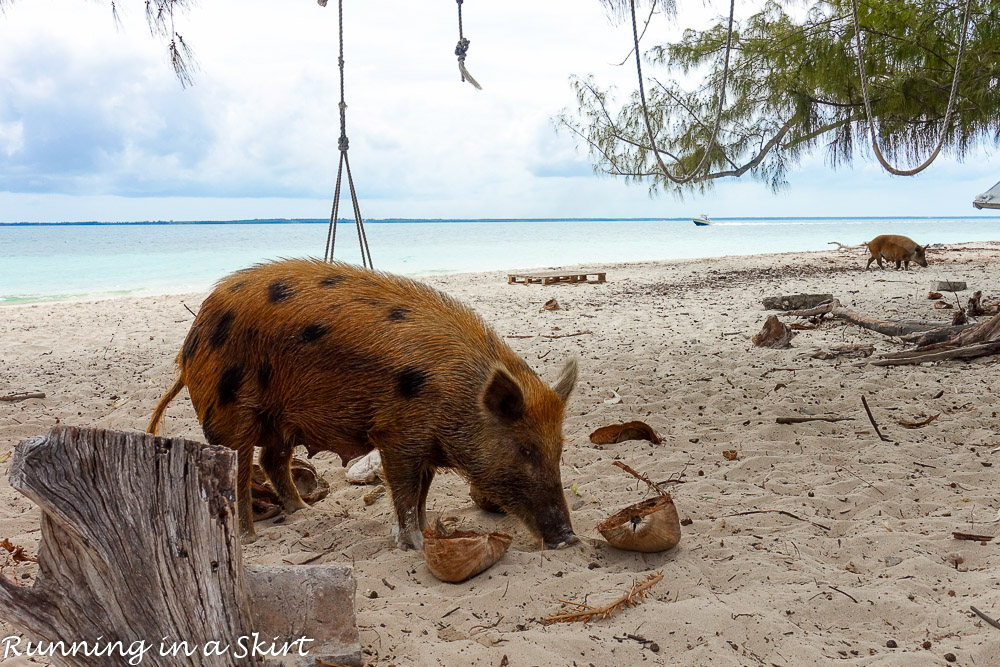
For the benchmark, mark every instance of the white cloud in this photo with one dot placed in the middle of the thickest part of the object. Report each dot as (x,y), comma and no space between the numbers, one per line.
(11,137)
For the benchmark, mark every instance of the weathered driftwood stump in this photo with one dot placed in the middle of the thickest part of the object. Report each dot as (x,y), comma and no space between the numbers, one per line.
(139,544)
(775,334)
(795,301)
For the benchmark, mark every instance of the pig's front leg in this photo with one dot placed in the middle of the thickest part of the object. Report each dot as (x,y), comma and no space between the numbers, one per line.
(404,479)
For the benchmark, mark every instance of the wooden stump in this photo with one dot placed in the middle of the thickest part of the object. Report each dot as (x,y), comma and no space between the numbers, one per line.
(948,285)
(139,543)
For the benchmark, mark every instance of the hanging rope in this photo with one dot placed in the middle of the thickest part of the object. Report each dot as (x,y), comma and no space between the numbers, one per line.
(868,106)
(461,49)
(681,180)
(345,164)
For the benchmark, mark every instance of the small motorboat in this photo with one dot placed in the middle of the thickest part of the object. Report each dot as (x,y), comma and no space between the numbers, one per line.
(702,221)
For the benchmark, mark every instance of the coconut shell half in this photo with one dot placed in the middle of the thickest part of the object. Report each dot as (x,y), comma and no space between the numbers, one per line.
(649,526)
(266,504)
(607,435)
(462,554)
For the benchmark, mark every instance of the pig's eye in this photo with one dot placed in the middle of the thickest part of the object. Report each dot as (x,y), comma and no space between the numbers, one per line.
(527,452)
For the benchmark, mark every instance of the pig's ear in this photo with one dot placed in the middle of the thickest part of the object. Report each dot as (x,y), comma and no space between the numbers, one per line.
(503,397)
(567,380)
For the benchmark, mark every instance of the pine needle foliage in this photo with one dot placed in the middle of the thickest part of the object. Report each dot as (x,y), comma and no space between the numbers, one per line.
(794,88)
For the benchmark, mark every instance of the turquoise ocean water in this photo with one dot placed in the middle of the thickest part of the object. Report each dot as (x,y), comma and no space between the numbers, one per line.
(53,262)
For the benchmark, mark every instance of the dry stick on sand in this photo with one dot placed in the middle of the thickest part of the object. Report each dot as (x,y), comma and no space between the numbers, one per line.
(772,370)
(22,396)
(857,476)
(986,618)
(971,537)
(872,420)
(578,333)
(853,599)
(800,420)
(633,597)
(925,422)
(783,512)
(638,475)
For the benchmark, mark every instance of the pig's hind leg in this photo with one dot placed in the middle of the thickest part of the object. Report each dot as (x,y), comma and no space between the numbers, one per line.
(252,430)
(242,440)
(276,460)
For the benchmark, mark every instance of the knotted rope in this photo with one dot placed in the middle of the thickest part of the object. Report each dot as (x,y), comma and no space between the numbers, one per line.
(461,49)
(343,144)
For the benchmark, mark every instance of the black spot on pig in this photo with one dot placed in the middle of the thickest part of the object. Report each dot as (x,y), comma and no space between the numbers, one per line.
(410,382)
(279,291)
(229,384)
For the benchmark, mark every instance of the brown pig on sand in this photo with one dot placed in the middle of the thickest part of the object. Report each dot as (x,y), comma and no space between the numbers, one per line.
(333,357)
(895,248)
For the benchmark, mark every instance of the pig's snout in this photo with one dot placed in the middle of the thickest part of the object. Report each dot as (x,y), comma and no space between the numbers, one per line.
(556,529)
(561,543)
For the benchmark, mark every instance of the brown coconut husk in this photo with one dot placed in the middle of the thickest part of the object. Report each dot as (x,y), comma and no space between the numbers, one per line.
(461,554)
(613,433)
(650,526)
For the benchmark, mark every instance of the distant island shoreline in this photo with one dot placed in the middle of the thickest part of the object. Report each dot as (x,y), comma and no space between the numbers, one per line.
(376,221)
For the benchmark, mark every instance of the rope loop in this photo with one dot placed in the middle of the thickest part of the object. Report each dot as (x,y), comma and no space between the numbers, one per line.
(868,105)
(462,48)
(686,178)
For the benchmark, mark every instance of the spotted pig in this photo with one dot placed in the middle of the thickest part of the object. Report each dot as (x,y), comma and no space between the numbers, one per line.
(333,357)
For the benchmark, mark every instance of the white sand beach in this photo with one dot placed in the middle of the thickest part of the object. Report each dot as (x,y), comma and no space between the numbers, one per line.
(861,567)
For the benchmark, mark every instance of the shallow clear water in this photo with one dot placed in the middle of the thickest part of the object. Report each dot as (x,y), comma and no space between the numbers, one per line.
(50,262)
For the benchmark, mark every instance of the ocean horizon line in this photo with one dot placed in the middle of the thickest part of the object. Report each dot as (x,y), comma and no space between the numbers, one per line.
(311,221)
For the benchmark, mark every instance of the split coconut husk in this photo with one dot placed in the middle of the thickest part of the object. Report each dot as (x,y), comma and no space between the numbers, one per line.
(483,501)
(455,556)
(649,526)
(613,433)
(266,504)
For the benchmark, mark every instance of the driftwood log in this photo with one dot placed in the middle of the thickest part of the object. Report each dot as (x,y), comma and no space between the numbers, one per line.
(795,301)
(935,341)
(139,544)
(859,350)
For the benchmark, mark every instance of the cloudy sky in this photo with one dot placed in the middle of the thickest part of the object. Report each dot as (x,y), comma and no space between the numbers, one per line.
(94,125)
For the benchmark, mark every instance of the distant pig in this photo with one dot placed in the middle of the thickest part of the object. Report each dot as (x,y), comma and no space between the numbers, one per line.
(895,248)
(334,357)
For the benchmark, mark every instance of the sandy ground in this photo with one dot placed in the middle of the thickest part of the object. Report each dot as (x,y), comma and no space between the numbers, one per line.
(866,572)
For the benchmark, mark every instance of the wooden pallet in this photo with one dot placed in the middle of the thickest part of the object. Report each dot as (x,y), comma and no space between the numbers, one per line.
(556,277)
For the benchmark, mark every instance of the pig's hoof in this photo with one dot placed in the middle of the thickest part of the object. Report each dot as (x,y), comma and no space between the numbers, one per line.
(414,540)
(294,506)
